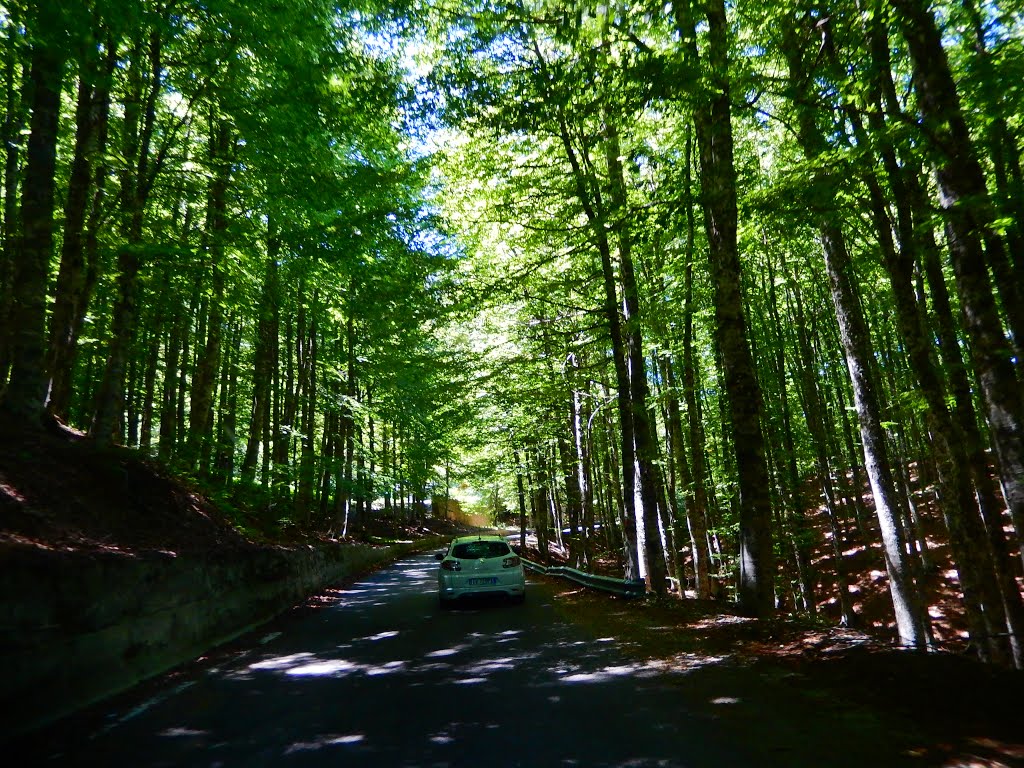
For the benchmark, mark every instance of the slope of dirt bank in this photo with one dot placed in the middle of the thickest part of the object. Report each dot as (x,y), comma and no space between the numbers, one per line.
(59,493)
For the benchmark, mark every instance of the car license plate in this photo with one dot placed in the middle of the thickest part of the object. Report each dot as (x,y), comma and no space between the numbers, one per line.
(479,582)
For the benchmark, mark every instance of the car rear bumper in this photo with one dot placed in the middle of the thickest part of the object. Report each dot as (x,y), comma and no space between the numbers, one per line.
(453,587)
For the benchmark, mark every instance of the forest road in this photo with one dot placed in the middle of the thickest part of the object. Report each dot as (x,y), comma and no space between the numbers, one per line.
(378,675)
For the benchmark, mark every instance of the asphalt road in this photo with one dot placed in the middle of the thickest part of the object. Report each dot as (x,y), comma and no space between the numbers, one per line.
(379,676)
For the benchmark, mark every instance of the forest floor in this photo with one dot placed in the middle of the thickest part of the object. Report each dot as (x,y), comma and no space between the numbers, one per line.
(58,494)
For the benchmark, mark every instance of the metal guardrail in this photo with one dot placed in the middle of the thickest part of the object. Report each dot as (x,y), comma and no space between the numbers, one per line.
(620,587)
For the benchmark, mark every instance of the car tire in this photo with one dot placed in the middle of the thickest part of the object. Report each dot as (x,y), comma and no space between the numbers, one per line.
(444,605)
(519,599)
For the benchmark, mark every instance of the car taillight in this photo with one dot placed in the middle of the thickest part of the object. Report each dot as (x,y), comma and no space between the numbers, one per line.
(451,565)
(510,562)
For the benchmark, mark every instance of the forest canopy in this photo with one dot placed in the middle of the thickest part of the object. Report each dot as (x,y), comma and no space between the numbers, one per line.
(728,290)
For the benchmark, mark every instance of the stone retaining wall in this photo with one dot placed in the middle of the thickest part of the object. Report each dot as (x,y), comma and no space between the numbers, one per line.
(78,628)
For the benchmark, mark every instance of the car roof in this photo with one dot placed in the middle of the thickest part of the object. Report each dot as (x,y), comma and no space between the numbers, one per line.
(481,537)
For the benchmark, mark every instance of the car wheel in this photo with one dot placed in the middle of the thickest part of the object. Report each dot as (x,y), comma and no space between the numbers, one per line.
(444,605)
(519,599)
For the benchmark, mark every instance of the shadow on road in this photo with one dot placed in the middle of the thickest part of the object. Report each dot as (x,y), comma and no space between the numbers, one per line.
(375,673)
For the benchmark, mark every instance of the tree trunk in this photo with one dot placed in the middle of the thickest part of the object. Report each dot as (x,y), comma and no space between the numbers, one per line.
(965,203)
(110,398)
(803,536)
(26,389)
(168,402)
(15,113)
(598,225)
(911,619)
(74,286)
(983,602)
(521,496)
(204,382)
(584,465)
(696,513)
(643,434)
(149,381)
(263,358)
(814,411)
(713,124)
(348,415)
(307,363)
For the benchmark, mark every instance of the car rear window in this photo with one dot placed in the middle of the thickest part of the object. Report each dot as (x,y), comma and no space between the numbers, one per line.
(474,550)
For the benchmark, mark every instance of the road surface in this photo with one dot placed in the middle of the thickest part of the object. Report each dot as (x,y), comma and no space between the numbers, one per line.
(378,675)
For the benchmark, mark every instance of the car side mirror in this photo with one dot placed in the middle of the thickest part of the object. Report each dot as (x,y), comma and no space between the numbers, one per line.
(439,556)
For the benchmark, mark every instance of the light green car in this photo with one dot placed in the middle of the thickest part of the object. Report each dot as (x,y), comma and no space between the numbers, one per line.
(479,565)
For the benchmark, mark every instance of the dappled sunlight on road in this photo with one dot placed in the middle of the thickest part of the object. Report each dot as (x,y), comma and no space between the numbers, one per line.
(472,657)
(461,671)
(282,662)
(445,652)
(380,636)
(322,742)
(376,674)
(334,668)
(182,732)
(608,673)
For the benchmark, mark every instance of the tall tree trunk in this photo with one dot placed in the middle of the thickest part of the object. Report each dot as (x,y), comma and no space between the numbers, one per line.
(204,381)
(643,434)
(140,120)
(573,499)
(713,122)
(15,113)
(803,535)
(521,496)
(973,244)
(694,516)
(539,507)
(1004,153)
(26,389)
(589,198)
(263,358)
(149,380)
(284,399)
(227,415)
(911,621)
(691,471)
(74,286)
(575,481)
(983,601)
(814,411)
(1008,198)
(95,259)
(348,411)
(168,402)
(308,375)
(697,510)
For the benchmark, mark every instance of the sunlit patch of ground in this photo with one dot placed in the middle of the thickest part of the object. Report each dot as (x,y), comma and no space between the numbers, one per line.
(863,561)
